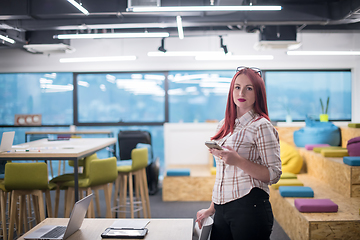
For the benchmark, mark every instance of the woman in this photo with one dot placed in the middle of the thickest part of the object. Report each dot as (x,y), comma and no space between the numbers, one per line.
(248,163)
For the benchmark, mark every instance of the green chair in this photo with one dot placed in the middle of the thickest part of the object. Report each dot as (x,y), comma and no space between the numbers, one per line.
(101,175)
(139,157)
(25,179)
(59,180)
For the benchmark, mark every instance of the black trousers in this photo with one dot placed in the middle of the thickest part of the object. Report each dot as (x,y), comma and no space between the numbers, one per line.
(249,217)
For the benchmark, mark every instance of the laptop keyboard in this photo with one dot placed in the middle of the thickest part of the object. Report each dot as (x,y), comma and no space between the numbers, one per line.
(55,233)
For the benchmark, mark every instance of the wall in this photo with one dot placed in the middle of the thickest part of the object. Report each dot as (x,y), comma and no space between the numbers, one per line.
(16,60)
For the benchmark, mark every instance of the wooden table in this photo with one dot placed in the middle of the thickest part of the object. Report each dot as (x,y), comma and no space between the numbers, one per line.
(72,149)
(159,229)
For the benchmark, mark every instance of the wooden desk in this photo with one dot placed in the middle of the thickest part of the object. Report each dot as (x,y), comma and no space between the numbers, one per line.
(159,229)
(72,149)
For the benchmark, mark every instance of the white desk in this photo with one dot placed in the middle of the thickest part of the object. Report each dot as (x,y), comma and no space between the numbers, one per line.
(77,132)
(159,229)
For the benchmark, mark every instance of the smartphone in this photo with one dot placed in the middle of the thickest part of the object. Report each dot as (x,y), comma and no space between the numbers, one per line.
(124,233)
(212,144)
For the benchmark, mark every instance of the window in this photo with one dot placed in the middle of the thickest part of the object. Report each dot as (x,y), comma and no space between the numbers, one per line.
(48,94)
(197,96)
(121,97)
(298,93)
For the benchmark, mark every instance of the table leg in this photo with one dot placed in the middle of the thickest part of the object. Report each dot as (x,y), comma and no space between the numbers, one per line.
(76,178)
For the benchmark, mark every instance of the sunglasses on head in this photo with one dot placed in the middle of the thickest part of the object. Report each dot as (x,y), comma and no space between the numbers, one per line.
(257,70)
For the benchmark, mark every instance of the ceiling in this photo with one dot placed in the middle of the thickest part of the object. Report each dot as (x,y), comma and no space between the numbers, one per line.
(37,21)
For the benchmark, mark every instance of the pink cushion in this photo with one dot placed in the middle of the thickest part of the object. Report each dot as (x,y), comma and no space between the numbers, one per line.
(311,146)
(315,205)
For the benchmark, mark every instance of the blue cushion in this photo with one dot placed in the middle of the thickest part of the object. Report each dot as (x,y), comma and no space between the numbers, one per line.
(296,191)
(148,146)
(317,133)
(178,172)
(352,161)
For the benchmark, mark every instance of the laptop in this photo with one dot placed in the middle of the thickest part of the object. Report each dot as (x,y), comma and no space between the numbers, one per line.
(63,232)
(7,141)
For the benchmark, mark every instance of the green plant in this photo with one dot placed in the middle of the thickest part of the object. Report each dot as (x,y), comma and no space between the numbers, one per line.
(322,106)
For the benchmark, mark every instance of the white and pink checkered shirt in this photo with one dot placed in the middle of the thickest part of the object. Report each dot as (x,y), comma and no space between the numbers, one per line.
(256,140)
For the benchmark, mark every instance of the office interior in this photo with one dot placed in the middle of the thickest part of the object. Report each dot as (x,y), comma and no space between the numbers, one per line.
(238,40)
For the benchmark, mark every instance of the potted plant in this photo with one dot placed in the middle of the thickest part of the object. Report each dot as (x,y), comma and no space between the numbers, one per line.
(324,117)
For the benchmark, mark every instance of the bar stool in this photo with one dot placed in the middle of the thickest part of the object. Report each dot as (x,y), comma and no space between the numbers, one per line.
(101,175)
(139,158)
(70,177)
(25,179)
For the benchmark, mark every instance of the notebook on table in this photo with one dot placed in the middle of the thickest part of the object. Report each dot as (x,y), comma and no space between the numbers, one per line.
(63,232)
(7,141)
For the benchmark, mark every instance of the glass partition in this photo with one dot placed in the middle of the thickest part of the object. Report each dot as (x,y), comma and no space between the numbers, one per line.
(297,94)
(198,96)
(48,94)
(121,97)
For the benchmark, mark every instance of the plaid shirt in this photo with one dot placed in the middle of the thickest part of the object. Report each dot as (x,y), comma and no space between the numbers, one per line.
(256,140)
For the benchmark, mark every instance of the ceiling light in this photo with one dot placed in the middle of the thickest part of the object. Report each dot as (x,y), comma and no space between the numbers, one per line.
(78,6)
(112,35)
(204,8)
(180,27)
(323,53)
(235,57)
(12,41)
(186,53)
(162,47)
(98,59)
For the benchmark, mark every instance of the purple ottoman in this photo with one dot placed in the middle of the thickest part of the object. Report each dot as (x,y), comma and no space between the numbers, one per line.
(315,205)
(353,146)
(311,146)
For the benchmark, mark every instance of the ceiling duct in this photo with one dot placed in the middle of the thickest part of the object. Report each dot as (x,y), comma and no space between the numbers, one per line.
(277,37)
(43,42)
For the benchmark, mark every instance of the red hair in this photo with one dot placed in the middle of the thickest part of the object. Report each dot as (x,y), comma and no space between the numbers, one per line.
(260,105)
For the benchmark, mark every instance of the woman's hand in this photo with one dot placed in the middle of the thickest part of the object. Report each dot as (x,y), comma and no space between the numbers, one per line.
(231,157)
(202,214)
(228,155)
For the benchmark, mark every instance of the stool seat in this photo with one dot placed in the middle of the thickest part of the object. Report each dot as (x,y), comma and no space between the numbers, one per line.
(315,205)
(178,172)
(312,146)
(287,182)
(125,169)
(334,152)
(352,161)
(296,191)
(319,149)
(288,175)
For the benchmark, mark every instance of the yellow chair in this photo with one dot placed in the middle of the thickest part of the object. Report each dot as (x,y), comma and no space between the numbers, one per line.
(59,180)
(139,158)
(25,179)
(101,175)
